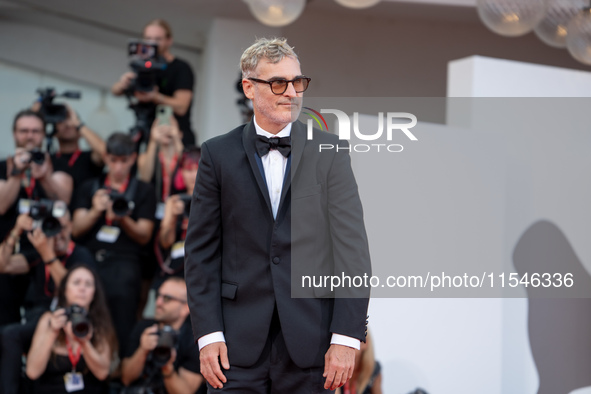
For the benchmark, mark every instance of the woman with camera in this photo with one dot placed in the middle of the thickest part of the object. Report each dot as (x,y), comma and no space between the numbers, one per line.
(73,347)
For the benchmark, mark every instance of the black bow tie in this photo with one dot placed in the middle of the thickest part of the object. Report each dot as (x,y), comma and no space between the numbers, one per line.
(264,144)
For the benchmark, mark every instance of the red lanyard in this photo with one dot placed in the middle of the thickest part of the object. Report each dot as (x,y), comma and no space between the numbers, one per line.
(121,190)
(167,175)
(73,158)
(73,358)
(63,261)
(31,185)
(347,389)
(184,227)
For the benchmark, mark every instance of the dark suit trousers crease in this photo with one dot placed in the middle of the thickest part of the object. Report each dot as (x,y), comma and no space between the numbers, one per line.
(274,372)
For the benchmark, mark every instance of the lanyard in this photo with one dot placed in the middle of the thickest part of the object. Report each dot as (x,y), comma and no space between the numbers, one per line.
(73,158)
(29,183)
(73,358)
(121,190)
(349,388)
(184,226)
(63,261)
(167,175)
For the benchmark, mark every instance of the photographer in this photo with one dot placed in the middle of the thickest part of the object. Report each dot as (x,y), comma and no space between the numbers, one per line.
(72,347)
(174,88)
(29,174)
(170,249)
(23,180)
(81,165)
(142,368)
(114,218)
(55,254)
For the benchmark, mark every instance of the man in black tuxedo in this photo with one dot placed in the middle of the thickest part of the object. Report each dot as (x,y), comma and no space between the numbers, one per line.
(241,243)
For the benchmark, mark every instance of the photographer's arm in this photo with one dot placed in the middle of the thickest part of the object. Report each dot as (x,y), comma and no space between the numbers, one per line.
(183,381)
(57,185)
(44,338)
(140,231)
(122,84)
(15,263)
(132,367)
(11,186)
(45,247)
(98,359)
(167,235)
(96,143)
(146,160)
(85,218)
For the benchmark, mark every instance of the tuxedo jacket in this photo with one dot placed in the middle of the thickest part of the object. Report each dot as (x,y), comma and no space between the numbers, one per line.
(239,259)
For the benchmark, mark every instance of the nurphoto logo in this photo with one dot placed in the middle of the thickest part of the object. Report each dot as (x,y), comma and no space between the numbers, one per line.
(391,119)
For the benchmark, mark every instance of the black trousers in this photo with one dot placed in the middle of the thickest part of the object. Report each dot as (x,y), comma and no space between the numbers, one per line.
(121,279)
(274,372)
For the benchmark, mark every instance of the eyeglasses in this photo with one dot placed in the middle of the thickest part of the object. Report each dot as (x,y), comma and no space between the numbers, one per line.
(279,86)
(167,298)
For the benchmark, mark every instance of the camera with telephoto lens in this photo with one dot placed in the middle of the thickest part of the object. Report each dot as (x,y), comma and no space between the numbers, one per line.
(46,214)
(121,205)
(54,113)
(146,64)
(79,318)
(167,340)
(186,198)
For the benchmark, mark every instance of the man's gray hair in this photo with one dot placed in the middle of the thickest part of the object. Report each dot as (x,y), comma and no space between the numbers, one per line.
(272,49)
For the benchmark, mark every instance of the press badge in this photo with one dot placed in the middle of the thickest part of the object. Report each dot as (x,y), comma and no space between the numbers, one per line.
(24,206)
(159,211)
(108,234)
(73,381)
(178,250)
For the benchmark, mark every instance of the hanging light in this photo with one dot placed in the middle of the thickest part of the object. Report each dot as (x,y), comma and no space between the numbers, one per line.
(578,40)
(553,28)
(276,13)
(358,3)
(511,17)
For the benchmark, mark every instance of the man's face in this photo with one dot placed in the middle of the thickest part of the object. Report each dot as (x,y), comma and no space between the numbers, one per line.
(29,132)
(171,303)
(119,166)
(274,111)
(158,34)
(66,130)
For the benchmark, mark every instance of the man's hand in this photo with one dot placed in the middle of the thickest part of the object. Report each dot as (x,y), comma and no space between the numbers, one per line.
(23,223)
(44,246)
(101,200)
(126,79)
(339,363)
(168,368)
(42,171)
(20,160)
(147,97)
(210,357)
(149,338)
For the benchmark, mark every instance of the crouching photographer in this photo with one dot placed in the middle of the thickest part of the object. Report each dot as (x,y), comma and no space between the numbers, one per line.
(73,347)
(161,355)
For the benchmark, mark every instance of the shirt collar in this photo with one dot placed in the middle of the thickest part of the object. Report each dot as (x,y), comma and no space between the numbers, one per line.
(285,132)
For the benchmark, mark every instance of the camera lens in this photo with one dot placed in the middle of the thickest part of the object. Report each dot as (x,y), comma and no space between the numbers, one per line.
(51,226)
(120,206)
(37,157)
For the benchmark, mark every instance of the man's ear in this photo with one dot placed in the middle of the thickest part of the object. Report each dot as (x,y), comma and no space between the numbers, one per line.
(248,87)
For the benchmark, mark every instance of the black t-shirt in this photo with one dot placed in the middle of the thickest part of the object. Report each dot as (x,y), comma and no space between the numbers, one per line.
(41,289)
(178,75)
(8,220)
(144,208)
(80,168)
(187,353)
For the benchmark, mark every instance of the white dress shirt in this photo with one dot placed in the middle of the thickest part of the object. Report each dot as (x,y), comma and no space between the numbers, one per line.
(274,165)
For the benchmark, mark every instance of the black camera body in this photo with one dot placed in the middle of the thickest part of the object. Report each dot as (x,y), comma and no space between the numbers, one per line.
(80,323)
(37,156)
(167,340)
(121,205)
(146,63)
(54,113)
(45,214)
(186,198)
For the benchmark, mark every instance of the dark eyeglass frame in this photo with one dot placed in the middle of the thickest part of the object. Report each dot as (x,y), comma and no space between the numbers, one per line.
(270,83)
(167,298)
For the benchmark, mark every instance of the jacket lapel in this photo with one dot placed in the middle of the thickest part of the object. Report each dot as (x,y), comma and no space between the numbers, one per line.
(298,141)
(248,141)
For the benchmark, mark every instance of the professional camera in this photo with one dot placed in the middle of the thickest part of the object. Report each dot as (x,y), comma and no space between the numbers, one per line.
(146,64)
(46,214)
(36,156)
(167,340)
(121,205)
(80,323)
(54,113)
(186,198)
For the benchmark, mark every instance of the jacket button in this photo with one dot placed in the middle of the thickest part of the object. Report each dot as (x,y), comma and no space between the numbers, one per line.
(276,260)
